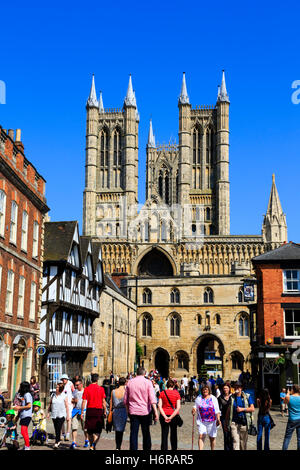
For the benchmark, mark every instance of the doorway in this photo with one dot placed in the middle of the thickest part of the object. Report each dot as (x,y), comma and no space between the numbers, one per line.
(162,360)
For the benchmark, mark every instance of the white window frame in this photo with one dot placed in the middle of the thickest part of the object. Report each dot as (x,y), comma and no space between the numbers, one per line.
(24,236)
(285,280)
(35,239)
(32,312)
(293,323)
(9,292)
(21,297)
(13,222)
(2,212)
(29,364)
(4,366)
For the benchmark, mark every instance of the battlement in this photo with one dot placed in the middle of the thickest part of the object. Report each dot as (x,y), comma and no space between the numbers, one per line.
(203,107)
(112,111)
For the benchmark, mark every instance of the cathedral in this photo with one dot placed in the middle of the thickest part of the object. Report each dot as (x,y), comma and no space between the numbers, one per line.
(175,257)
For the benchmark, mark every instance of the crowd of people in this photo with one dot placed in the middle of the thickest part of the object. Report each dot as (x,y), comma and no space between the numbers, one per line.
(143,399)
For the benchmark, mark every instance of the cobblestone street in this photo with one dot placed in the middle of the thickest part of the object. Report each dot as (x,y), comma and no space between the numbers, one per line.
(184,435)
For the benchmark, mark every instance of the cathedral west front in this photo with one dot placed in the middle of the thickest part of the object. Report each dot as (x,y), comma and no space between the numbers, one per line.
(175,257)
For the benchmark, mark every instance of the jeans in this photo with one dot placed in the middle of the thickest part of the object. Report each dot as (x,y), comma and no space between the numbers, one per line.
(119,439)
(165,432)
(58,423)
(135,422)
(290,428)
(227,436)
(263,423)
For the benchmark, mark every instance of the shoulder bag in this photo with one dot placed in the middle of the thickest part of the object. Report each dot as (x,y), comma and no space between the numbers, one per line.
(177,418)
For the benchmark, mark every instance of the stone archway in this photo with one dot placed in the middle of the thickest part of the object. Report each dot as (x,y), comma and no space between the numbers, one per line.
(162,362)
(209,351)
(155,262)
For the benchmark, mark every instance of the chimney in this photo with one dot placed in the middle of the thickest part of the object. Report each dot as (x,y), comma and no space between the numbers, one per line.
(18,135)
(18,142)
(11,133)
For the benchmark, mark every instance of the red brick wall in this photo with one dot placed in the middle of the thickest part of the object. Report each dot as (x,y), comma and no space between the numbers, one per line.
(270,289)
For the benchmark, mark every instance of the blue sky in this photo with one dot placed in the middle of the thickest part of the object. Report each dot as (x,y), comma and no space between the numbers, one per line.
(49,53)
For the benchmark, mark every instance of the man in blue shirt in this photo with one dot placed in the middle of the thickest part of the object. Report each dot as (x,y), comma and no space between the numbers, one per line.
(239,417)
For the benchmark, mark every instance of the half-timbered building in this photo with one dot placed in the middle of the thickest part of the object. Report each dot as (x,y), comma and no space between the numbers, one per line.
(72,282)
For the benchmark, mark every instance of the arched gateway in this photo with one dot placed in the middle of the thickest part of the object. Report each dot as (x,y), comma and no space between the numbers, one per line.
(161,362)
(208,351)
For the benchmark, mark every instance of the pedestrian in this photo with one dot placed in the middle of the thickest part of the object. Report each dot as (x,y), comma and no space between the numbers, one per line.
(283,405)
(186,383)
(93,400)
(139,398)
(217,392)
(219,381)
(182,392)
(239,417)
(59,409)
(10,437)
(208,416)
(119,412)
(34,389)
(75,379)
(25,411)
(106,386)
(191,388)
(39,425)
(224,401)
(68,390)
(76,420)
(169,406)
(264,403)
(293,401)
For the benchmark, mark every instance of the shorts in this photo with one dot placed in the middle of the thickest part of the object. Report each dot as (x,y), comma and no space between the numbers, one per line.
(94,420)
(76,420)
(209,428)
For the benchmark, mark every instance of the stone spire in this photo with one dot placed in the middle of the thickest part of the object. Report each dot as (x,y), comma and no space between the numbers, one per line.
(137,114)
(92,100)
(101,107)
(183,98)
(151,138)
(274,227)
(222,95)
(130,97)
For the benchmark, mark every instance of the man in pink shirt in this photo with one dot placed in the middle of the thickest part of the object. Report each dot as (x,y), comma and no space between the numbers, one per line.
(139,398)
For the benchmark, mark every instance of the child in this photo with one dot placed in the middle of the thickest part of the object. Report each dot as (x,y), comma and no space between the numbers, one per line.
(38,423)
(11,435)
(283,405)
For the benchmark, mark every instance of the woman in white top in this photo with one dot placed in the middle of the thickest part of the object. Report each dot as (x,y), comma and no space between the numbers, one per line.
(59,408)
(208,416)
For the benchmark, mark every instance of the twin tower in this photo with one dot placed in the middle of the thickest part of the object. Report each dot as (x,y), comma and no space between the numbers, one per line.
(195,172)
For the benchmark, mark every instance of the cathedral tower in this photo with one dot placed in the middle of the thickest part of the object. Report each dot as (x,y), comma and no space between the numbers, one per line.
(111,183)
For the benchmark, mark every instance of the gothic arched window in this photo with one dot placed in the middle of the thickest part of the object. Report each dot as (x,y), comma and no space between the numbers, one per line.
(147,296)
(104,147)
(243,324)
(175,325)
(175,296)
(241,296)
(208,297)
(217,319)
(147,325)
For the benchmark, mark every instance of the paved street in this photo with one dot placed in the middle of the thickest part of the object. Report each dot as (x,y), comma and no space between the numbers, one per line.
(184,435)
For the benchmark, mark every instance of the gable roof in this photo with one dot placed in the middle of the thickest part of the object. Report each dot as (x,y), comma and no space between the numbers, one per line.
(110,283)
(287,252)
(84,246)
(58,238)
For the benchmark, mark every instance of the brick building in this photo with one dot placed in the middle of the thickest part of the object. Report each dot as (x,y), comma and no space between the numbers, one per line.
(22,210)
(274,346)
